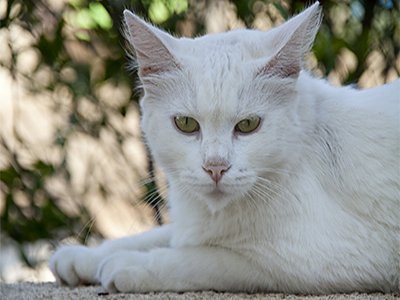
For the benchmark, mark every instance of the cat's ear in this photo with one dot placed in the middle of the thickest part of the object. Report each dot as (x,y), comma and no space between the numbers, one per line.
(151,45)
(293,40)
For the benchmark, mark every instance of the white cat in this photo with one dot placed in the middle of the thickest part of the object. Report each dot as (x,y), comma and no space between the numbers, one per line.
(278,181)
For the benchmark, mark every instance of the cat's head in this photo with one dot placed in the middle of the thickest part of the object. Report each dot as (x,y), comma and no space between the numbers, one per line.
(219,112)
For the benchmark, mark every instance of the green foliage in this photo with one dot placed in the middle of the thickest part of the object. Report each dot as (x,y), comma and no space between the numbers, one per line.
(36,214)
(161,10)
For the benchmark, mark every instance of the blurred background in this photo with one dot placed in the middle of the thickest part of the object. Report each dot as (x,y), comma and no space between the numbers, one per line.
(73,166)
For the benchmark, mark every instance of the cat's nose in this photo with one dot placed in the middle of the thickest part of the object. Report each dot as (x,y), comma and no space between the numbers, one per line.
(216,171)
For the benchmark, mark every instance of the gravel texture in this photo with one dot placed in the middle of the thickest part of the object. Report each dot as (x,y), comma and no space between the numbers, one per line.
(50,290)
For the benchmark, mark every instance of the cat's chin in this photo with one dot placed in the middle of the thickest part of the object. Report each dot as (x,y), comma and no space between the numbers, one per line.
(217,194)
(217,205)
(217,199)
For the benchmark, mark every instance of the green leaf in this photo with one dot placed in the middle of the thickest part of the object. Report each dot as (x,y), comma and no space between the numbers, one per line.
(8,176)
(158,11)
(177,6)
(43,168)
(100,15)
(83,19)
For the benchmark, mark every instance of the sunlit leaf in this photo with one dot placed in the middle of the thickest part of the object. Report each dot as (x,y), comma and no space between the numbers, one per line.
(83,36)
(158,11)
(76,3)
(100,15)
(83,19)
(178,6)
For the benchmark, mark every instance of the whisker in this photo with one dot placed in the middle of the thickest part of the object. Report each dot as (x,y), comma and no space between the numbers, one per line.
(268,188)
(89,224)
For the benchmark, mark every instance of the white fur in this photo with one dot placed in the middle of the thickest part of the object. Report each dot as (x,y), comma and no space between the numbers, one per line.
(311,203)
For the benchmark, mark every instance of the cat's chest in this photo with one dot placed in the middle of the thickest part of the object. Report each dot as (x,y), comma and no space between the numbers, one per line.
(233,228)
(209,234)
(248,225)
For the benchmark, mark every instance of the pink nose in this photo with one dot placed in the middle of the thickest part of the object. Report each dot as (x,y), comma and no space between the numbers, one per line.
(216,171)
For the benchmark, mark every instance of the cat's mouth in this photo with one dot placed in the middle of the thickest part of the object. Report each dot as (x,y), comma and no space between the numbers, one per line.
(217,190)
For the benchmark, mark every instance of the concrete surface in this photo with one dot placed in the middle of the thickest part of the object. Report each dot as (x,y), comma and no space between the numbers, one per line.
(50,290)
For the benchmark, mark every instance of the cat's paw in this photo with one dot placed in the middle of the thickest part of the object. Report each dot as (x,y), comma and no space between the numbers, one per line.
(73,265)
(124,272)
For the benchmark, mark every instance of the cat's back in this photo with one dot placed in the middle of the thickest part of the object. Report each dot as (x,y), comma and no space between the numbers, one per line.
(375,112)
(362,131)
(369,123)
(383,99)
(372,114)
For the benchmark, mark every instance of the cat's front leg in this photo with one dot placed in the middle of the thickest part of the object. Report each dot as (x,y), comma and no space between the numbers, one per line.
(179,269)
(73,265)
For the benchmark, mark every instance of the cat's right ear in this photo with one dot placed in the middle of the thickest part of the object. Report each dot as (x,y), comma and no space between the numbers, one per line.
(151,45)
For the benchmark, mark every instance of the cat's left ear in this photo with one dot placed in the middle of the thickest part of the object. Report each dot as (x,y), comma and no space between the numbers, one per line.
(152,46)
(293,41)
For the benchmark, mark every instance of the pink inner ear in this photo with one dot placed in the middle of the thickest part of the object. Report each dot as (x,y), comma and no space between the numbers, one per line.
(158,68)
(151,47)
(150,70)
(280,67)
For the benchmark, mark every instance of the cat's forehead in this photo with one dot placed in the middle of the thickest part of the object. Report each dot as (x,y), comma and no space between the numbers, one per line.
(221,68)
(240,45)
(218,92)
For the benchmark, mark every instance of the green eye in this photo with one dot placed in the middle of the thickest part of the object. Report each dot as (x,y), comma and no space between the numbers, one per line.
(186,124)
(248,125)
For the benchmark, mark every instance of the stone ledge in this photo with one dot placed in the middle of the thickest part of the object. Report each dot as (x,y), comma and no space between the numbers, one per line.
(50,290)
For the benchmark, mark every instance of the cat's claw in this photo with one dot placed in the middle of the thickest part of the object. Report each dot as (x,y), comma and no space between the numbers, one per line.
(109,268)
(118,282)
(129,279)
(122,272)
